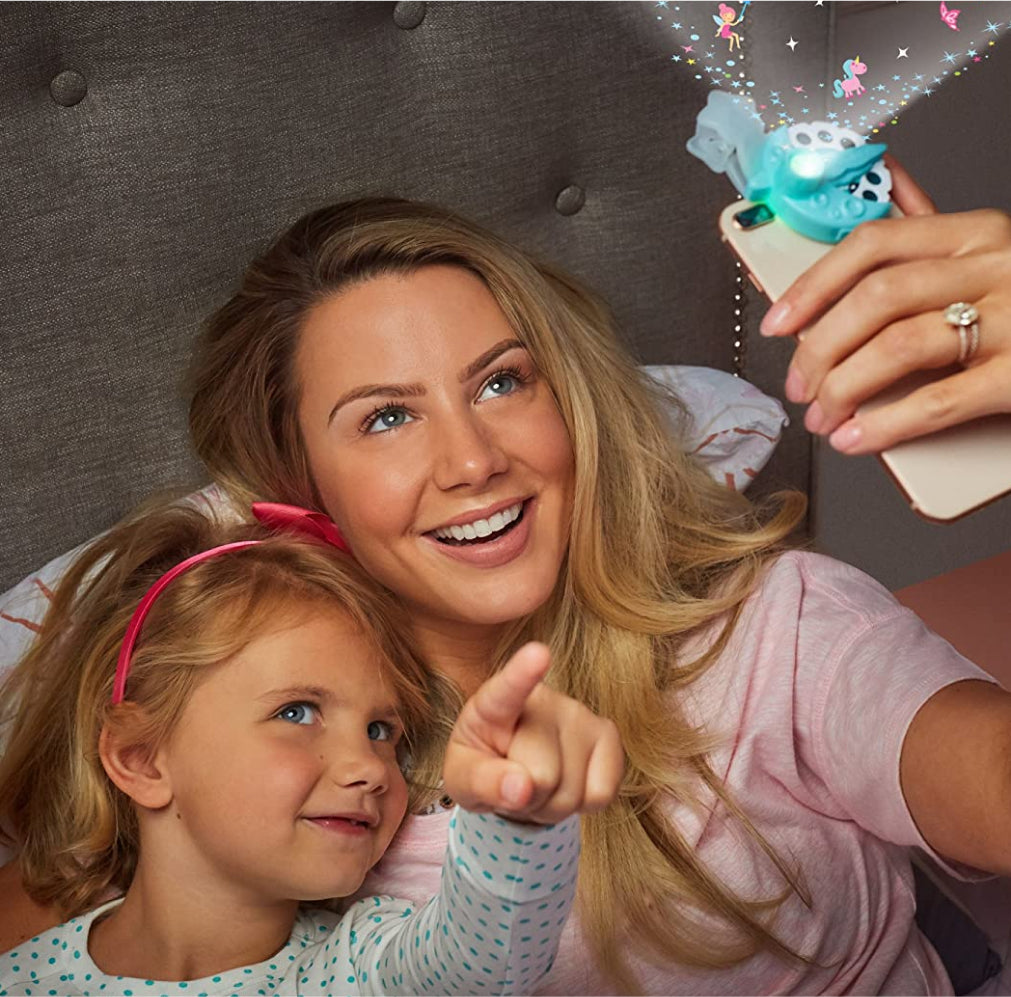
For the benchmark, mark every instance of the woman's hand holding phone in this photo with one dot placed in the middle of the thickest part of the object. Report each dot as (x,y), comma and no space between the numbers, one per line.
(530,753)
(871,311)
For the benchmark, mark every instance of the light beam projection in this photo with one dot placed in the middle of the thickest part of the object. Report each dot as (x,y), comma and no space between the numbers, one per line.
(890,55)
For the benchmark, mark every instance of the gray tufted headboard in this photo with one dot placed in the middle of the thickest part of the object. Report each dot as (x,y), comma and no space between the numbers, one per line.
(148,150)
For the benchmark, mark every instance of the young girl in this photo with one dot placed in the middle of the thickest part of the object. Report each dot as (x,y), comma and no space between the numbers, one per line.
(213,721)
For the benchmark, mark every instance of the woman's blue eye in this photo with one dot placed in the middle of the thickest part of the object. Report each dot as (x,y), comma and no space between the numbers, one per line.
(390,417)
(380,730)
(500,384)
(297,713)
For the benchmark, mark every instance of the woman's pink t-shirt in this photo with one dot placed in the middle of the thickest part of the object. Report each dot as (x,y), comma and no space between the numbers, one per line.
(814,695)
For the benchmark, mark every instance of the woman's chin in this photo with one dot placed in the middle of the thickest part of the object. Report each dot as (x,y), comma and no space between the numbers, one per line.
(494,606)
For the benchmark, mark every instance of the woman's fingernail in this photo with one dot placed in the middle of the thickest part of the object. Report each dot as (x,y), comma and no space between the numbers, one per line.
(513,788)
(847,437)
(775,318)
(795,387)
(814,419)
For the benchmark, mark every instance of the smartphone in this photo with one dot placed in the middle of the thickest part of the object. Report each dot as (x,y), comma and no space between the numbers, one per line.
(943,476)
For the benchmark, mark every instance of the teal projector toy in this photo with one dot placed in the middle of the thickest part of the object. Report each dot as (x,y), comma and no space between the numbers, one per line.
(821,179)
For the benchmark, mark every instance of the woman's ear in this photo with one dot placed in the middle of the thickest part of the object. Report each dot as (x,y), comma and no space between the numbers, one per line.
(132,765)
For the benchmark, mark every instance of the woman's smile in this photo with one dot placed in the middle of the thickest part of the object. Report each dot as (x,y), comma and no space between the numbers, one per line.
(486,542)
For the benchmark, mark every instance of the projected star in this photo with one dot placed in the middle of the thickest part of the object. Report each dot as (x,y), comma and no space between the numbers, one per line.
(949,57)
(793,44)
(992,28)
(903,53)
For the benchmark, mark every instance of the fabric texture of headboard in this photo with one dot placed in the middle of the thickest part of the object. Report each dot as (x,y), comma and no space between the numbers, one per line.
(149,150)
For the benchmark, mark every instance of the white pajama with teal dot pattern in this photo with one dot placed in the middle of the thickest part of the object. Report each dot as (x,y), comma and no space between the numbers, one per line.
(493,928)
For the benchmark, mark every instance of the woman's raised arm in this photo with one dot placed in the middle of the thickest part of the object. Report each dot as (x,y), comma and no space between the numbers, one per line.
(872,311)
(956,774)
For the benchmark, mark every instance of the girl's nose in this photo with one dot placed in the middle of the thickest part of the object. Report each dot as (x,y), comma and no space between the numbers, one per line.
(358,764)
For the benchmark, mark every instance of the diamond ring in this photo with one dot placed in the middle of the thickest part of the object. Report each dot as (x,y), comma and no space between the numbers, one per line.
(964,318)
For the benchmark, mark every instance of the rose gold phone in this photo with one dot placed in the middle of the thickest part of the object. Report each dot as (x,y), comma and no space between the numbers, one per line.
(945,475)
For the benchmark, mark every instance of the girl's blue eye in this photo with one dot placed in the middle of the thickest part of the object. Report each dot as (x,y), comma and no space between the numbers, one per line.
(498,385)
(297,713)
(387,418)
(380,730)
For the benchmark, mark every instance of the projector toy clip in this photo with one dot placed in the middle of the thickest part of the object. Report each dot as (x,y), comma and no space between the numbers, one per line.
(821,179)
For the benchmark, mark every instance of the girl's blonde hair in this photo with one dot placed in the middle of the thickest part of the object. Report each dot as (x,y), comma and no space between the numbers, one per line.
(658,551)
(77,834)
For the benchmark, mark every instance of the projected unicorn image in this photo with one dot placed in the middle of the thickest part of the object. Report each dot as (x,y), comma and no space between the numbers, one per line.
(851,86)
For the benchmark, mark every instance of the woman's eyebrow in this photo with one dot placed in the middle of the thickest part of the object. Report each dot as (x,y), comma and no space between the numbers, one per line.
(417,390)
(369,390)
(489,356)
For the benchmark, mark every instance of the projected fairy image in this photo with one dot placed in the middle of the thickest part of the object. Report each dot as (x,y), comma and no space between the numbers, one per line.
(726,21)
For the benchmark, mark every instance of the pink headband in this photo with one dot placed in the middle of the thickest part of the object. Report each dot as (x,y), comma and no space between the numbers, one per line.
(274,515)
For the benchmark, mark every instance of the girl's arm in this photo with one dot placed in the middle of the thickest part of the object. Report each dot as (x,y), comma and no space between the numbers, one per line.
(495,925)
(508,883)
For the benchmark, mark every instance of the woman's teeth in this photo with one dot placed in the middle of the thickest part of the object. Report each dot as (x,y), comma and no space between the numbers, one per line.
(480,529)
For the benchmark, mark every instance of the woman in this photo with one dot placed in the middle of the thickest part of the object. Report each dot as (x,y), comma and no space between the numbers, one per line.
(467,418)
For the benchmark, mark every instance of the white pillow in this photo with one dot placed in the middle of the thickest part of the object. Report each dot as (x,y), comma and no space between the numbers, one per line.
(734,426)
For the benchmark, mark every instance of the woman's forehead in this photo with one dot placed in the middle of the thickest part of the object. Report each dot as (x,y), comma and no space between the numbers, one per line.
(396,327)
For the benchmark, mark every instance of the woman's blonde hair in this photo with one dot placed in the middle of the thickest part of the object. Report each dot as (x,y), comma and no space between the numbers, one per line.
(77,834)
(658,551)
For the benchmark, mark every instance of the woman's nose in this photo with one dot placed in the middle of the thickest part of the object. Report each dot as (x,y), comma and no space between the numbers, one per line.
(466,453)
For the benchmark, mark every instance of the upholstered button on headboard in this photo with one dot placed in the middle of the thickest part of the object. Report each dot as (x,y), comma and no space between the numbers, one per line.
(150,149)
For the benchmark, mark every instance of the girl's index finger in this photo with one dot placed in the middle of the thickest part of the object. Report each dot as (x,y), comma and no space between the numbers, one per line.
(500,700)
